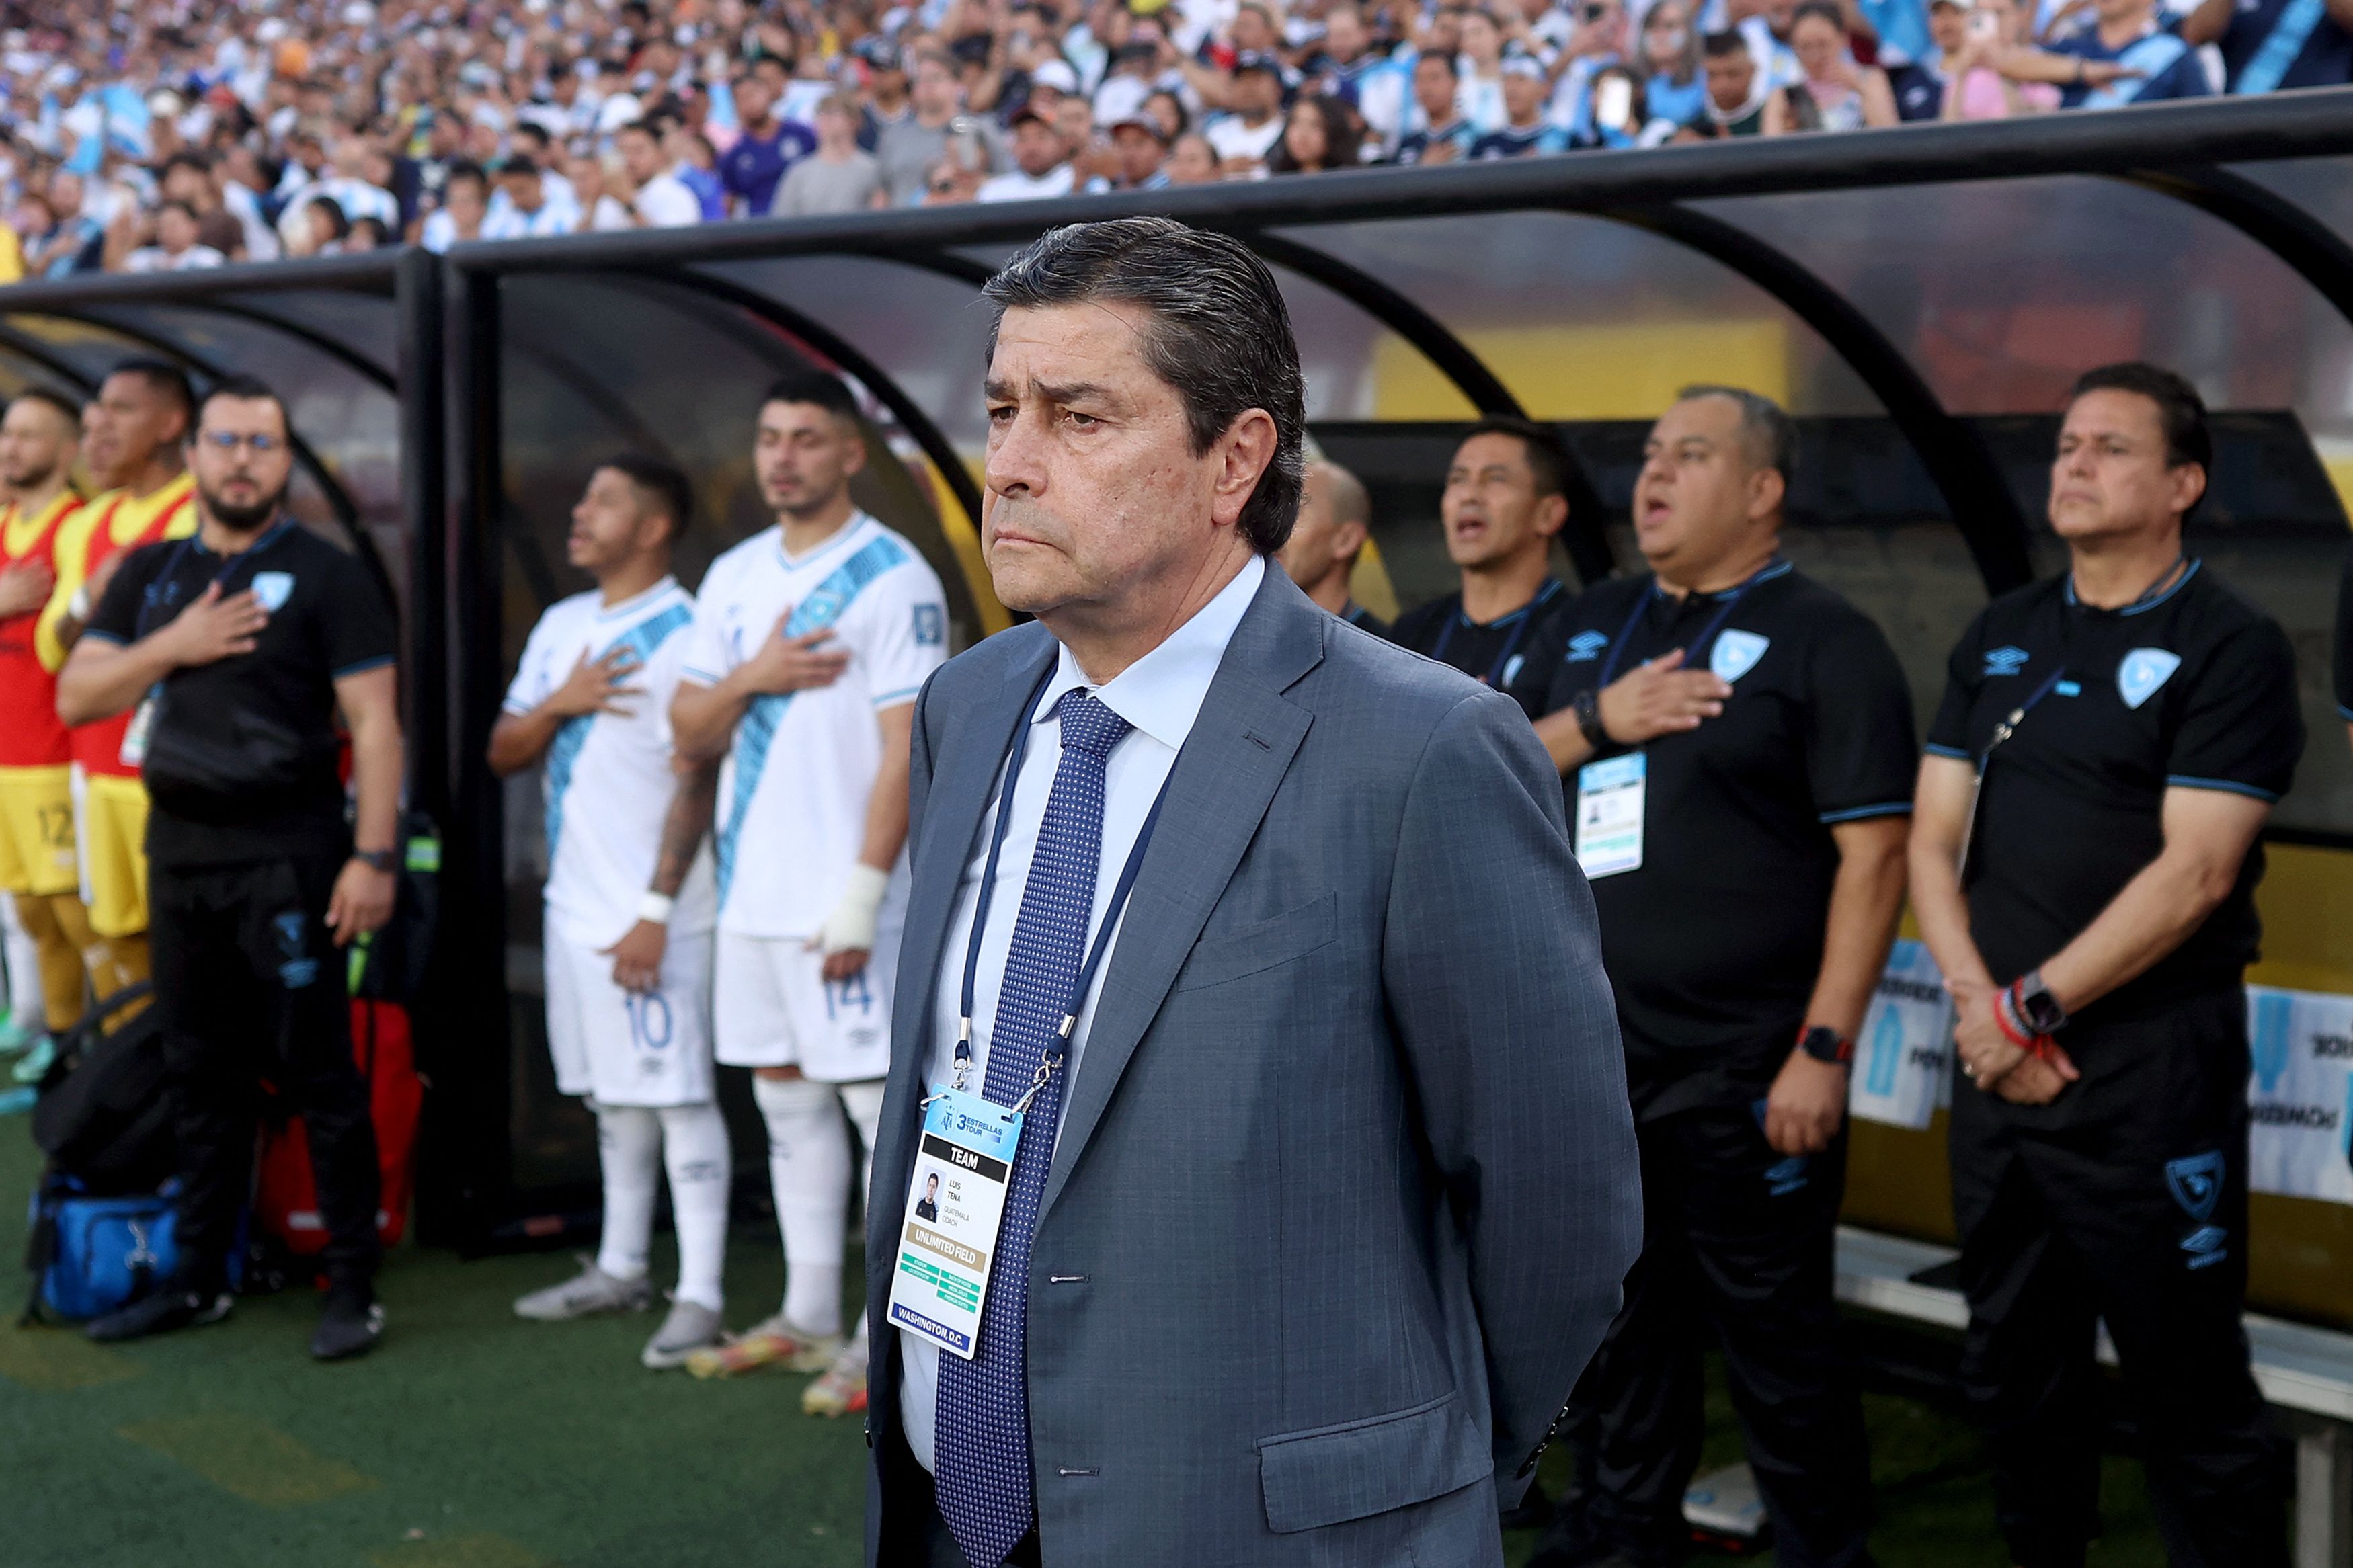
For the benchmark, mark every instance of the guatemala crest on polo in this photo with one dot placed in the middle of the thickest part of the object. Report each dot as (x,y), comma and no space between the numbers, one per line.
(273,589)
(1735,654)
(2142,672)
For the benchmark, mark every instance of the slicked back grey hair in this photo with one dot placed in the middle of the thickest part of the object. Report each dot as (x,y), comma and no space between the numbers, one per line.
(1220,335)
(1771,434)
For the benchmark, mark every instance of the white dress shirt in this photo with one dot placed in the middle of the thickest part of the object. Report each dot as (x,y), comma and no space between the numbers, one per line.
(1160,694)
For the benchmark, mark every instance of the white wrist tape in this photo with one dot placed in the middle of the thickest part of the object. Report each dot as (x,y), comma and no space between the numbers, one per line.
(851,924)
(654,907)
(79,605)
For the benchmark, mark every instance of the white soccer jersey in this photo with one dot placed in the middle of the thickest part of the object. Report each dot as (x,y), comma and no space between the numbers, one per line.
(793,795)
(606,778)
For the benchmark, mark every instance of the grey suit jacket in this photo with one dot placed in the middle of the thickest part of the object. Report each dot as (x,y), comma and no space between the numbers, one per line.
(1346,1182)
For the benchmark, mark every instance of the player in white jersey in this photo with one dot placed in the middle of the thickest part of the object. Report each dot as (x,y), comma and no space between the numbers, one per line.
(811,828)
(629,901)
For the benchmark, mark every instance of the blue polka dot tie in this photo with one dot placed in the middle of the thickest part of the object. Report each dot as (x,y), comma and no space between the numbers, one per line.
(981,1427)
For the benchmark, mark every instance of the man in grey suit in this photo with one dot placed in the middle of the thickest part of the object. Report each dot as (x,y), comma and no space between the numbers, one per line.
(1326,1180)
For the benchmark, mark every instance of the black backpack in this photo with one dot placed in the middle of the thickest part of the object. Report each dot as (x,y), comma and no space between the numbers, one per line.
(103,1118)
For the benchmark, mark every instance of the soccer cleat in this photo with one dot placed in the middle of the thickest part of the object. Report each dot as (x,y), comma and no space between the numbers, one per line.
(15,1037)
(589,1292)
(350,1324)
(691,1329)
(840,1389)
(160,1314)
(774,1342)
(34,1065)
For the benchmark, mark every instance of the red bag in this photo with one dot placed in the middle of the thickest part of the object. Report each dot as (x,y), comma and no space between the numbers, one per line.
(287,1200)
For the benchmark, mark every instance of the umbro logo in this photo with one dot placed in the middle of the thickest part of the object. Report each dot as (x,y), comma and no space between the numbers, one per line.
(1586,647)
(2005,660)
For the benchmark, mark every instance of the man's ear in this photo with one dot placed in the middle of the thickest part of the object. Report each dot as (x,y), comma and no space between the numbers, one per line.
(1247,451)
(1767,491)
(1551,515)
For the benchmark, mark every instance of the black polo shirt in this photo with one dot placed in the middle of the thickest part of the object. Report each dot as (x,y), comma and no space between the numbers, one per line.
(1715,941)
(1514,654)
(2194,688)
(241,753)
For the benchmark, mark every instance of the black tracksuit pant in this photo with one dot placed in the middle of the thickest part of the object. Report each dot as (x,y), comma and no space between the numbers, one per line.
(250,987)
(2125,1200)
(1738,1241)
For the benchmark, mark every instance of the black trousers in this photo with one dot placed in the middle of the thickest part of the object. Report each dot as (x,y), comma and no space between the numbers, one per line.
(250,987)
(2125,1200)
(1738,1241)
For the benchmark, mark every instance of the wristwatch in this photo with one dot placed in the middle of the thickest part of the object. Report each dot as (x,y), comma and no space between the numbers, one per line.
(1588,709)
(382,859)
(1825,1044)
(2036,1006)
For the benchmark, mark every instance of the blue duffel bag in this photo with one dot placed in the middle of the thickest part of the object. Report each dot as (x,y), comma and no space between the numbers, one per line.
(90,1256)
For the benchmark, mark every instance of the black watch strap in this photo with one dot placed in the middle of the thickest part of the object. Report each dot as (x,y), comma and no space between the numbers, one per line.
(382,859)
(1825,1044)
(1588,709)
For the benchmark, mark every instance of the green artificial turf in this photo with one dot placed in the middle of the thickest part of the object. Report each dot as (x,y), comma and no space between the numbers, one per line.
(473,1440)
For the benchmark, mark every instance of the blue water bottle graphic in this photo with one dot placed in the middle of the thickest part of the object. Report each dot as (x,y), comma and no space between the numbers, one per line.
(2274,1015)
(1886,1051)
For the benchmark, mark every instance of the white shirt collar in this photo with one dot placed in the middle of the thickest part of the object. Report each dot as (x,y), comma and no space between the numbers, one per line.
(1161,693)
(636,601)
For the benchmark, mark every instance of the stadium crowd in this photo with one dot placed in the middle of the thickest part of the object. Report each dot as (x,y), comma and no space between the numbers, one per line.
(167,135)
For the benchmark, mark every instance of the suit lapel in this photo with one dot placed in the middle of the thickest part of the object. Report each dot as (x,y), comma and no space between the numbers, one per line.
(1241,746)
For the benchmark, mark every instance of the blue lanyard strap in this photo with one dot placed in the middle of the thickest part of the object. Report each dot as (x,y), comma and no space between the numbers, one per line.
(1707,633)
(1526,614)
(2008,727)
(1059,1047)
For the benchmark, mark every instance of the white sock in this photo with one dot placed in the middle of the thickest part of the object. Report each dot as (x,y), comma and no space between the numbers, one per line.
(23,963)
(864,1102)
(809,1168)
(696,1153)
(628,1148)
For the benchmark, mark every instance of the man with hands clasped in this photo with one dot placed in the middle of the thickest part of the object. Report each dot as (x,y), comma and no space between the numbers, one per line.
(235,651)
(1738,741)
(626,937)
(2084,868)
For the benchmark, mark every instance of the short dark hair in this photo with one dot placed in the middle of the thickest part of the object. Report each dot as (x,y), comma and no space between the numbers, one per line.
(2181,412)
(1771,434)
(250,388)
(1724,45)
(163,376)
(660,483)
(1220,334)
(66,407)
(813,386)
(1547,458)
(178,206)
(464,169)
(186,158)
(1442,58)
(1821,10)
(644,127)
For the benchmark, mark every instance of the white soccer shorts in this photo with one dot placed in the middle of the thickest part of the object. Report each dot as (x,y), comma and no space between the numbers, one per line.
(775,1008)
(627,1048)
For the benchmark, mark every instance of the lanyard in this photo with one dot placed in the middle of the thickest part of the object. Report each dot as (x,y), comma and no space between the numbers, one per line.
(2009,726)
(1526,615)
(1707,633)
(277,530)
(1059,1046)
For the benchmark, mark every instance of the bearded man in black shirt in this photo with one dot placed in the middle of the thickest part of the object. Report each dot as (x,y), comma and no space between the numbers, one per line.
(239,647)
(2084,867)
